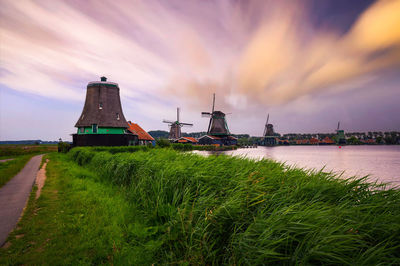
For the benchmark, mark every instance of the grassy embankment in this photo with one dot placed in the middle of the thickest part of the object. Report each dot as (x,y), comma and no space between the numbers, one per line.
(21,154)
(161,206)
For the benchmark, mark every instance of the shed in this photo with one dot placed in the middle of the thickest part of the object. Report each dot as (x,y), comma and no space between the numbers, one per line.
(143,136)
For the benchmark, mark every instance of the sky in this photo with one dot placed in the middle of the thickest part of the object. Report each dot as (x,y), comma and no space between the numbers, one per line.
(308,64)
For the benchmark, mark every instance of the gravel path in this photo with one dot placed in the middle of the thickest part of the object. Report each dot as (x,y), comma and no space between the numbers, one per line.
(14,196)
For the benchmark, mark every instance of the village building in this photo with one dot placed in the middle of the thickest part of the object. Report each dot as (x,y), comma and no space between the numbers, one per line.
(102,122)
(187,140)
(216,140)
(144,138)
(326,141)
(314,141)
(282,141)
(302,141)
(369,141)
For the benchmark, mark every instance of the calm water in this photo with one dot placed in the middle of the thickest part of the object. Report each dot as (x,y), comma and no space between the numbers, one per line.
(382,163)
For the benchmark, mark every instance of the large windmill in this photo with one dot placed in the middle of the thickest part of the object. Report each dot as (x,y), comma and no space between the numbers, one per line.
(217,125)
(102,122)
(175,126)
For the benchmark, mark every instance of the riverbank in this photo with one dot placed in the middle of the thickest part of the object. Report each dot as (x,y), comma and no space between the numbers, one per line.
(162,206)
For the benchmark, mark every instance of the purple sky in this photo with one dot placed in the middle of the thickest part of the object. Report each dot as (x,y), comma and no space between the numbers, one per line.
(307,63)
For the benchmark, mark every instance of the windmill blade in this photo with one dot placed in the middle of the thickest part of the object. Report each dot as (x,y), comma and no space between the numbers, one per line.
(338,125)
(205,114)
(186,124)
(168,121)
(209,126)
(266,127)
(228,113)
(213,103)
(177,114)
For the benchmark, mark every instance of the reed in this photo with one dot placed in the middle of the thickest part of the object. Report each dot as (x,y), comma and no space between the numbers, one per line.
(228,210)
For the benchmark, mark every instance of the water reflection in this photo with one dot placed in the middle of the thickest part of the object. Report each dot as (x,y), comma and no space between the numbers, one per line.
(381,163)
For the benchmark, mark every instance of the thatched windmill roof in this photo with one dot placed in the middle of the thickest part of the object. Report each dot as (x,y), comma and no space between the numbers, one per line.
(102,106)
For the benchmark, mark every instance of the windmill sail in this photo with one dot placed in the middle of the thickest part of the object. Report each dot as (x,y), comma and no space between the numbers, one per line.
(266,127)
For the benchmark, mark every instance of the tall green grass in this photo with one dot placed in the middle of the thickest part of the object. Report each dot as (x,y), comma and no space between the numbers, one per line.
(227,210)
(174,146)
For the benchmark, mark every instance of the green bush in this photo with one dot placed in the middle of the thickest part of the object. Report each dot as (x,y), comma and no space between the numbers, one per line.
(119,149)
(64,147)
(182,147)
(163,143)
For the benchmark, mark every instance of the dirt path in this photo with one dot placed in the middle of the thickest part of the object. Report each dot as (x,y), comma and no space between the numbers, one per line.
(14,195)
(6,160)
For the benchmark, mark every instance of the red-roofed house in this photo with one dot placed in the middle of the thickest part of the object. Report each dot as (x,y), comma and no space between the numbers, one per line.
(187,140)
(314,141)
(144,137)
(327,141)
(302,141)
(217,140)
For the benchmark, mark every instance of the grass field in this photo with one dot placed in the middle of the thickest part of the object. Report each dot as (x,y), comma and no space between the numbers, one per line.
(10,151)
(10,168)
(165,207)
(20,154)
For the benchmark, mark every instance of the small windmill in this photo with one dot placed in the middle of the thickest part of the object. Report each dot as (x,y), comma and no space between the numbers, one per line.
(217,125)
(269,128)
(269,134)
(341,138)
(175,126)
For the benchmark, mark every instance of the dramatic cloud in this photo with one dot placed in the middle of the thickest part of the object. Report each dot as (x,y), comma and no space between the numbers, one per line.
(253,54)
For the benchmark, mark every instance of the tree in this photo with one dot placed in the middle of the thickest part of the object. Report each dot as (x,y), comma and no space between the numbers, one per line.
(353,141)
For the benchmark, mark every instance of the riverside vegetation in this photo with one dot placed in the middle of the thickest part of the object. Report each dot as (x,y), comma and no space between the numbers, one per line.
(162,206)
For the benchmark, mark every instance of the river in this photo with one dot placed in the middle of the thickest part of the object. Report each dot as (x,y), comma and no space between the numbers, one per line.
(381,163)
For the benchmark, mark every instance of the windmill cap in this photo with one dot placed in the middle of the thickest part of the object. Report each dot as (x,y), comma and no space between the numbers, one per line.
(103,81)
(219,113)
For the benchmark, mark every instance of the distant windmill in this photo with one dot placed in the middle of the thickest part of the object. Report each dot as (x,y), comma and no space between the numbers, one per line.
(341,138)
(269,128)
(175,126)
(269,135)
(217,125)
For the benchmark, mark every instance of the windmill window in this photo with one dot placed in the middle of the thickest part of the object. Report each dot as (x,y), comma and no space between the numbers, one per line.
(117,116)
(100,106)
(82,129)
(94,128)
(82,117)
